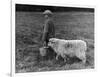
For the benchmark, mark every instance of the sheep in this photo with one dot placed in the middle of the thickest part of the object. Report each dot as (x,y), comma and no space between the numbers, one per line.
(69,47)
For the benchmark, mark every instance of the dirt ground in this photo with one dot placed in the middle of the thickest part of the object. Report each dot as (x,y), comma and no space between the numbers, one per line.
(69,25)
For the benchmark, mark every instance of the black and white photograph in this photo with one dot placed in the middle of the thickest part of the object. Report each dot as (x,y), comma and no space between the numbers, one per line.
(53,38)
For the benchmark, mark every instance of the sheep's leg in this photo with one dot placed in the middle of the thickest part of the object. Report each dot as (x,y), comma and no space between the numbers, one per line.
(64,57)
(67,58)
(57,57)
(83,58)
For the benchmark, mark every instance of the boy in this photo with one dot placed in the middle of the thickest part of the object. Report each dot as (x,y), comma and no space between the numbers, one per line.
(48,29)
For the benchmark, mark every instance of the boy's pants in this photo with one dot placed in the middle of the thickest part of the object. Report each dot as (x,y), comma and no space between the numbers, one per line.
(45,43)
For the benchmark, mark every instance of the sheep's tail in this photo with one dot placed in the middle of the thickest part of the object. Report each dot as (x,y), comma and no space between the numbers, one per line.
(86,41)
(86,45)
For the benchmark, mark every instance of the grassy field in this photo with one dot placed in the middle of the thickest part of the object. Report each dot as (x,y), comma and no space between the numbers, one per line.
(69,25)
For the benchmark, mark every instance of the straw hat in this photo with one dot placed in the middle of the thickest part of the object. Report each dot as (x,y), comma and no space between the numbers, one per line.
(47,12)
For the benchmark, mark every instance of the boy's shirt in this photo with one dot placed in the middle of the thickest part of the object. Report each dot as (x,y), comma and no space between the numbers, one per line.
(48,30)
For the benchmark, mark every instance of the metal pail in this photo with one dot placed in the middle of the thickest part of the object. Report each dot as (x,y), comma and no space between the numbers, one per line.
(43,51)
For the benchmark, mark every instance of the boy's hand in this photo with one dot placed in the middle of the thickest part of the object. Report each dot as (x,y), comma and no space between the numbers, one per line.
(44,44)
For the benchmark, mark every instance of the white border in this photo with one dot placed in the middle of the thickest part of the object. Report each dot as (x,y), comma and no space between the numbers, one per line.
(69,3)
(13,40)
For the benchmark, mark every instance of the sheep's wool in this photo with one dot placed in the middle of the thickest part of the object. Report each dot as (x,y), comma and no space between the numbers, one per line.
(69,47)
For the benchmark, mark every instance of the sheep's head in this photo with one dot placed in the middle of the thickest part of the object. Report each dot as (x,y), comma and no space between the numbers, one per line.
(53,42)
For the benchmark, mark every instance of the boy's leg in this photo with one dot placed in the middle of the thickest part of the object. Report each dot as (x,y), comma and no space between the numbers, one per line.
(46,43)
